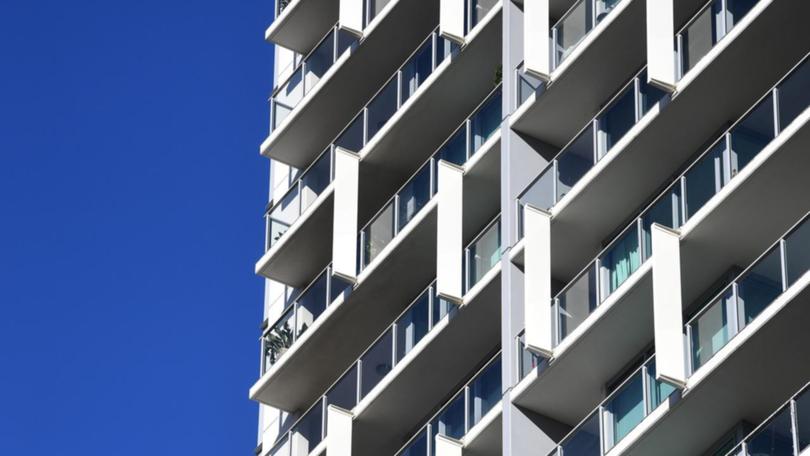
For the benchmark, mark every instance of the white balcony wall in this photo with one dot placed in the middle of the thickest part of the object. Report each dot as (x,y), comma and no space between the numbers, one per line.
(344,242)
(537,281)
(445,446)
(449,264)
(667,307)
(536,38)
(660,48)
(351,16)
(451,20)
(338,432)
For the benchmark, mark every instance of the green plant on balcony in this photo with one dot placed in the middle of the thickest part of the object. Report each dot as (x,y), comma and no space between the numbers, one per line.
(278,341)
(283,4)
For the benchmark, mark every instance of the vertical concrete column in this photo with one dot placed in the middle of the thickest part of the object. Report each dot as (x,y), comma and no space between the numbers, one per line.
(450,248)
(338,431)
(445,446)
(536,39)
(344,232)
(350,16)
(537,280)
(451,20)
(661,69)
(670,359)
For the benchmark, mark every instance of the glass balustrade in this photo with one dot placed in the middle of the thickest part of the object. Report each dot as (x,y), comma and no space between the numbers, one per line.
(308,73)
(476,11)
(301,315)
(526,85)
(466,409)
(482,254)
(748,295)
(299,197)
(575,25)
(526,359)
(396,342)
(688,193)
(282,5)
(372,9)
(707,27)
(784,433)
(612,123)
(398,212)
(621,412)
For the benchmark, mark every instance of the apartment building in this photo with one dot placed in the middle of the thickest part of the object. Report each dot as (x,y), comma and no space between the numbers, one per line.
(537,227)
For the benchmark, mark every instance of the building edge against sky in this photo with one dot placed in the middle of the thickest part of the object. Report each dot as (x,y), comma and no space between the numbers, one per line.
(537,227)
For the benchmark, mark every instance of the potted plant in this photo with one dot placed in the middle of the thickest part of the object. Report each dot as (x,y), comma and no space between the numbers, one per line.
(278,341)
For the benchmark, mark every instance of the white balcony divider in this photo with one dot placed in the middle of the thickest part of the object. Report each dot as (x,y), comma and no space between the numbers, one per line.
(661,58)
(536,42)
(347,181)
(668,306)
(537,269)
(446,446)
(451,20)
(338,431)
(351,16)
(450,243)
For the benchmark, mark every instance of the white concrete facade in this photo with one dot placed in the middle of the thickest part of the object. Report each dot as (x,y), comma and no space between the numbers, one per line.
(510,227)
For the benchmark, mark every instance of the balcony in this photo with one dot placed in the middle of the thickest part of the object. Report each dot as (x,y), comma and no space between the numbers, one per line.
(759,320)
(299,23)
(482,255)
(332,95)
(785,432)
(472,417)
(596,47)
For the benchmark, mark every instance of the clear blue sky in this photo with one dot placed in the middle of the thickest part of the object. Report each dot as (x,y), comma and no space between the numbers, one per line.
(131,196)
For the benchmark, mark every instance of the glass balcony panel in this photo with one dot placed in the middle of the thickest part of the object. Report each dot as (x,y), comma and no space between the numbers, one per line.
(541,192)
(455,149)
(585,440)
(793,95)
(282,448)
(480,8)
(752,134)
(413,325)
(417,447)
(344,393)
(527,85)
(441,308)
(311,304)
(650,95)
(666,211)
(574,162)
(773,439)
(450,421)
(700,36)
(345,40)
(617,120)
(625,410)
(577,301)
(319,61)
(308,432)
(572,28)
(712,330)
(417,69)
(279,339)
(603,8)
(797,248)
(414,195)
(705,178)
(484,253)
(352,137)
(486,122)
(658,391)
(376,363)
(382,107)
(485,392)
(620,261)
(760,286)
(737,9)
(280,112)
(338,287)
(527,361)
(379,233)
(291,92)
(374,8)
(315,180)
(803,419)
(444,49)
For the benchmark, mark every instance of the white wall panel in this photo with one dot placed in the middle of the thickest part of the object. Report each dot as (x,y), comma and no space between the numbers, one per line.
(670,359)
(338,432)
(351,16)
(537,280)
(344,242)
(536,38)
(450,246)
(451,20)
(445,446)
(660,43)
